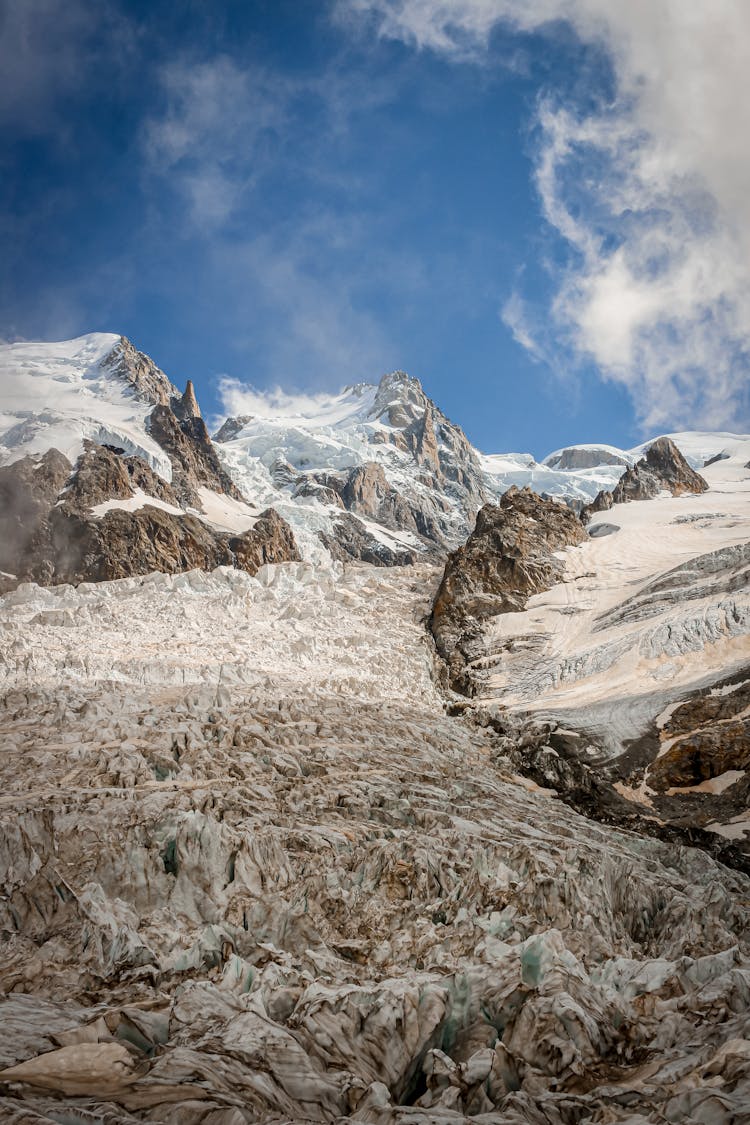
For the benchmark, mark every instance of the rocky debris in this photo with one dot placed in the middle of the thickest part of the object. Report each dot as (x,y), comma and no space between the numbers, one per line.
(72,546)
(313,896)
(662,468)
(194,460)
(136,368)
(582,458)
(509,556)
(349,539)
(28,489)
(570,765)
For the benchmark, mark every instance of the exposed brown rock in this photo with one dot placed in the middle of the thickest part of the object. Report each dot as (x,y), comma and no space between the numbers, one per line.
(422,442)
(147,380)
(73,547)
(187,406)
(28,489)
(193,457)
(703,754)
(270,540)
(708,735)
(507,558)
(351,540)
(102,473)
(663,467)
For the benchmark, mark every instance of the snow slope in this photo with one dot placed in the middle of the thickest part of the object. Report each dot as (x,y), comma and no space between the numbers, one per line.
(559,656)
(55,395)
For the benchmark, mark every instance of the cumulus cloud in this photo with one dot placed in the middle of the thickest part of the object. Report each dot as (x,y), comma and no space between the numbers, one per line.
(651,191)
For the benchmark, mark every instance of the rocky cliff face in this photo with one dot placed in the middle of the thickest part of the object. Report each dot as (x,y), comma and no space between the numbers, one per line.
(510,555)
(70,546)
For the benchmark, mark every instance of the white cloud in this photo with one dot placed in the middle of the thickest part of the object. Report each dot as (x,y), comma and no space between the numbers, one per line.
(515,316)
(243,399)
(652,192)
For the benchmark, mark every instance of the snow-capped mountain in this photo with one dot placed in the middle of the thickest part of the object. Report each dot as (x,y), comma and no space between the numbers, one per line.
(107,469)
(308,839)
(376,473)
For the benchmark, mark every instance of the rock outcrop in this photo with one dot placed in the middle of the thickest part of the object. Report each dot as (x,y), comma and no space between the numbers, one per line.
(662,468)
(71,546)
(194,461)
(141,373)
(510,555)
(583,457)
(349,539)
(28,489)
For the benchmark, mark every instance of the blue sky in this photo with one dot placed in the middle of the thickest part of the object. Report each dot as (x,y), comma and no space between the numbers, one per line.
(493,196)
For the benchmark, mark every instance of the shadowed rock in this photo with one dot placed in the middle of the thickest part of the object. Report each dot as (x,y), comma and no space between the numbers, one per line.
(28,489)
(193,457)
(71,546)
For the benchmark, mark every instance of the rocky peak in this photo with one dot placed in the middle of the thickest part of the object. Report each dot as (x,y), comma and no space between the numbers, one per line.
(662,468)
(147,380)
(193,457)
(400,399)
(665,462)
(187,406)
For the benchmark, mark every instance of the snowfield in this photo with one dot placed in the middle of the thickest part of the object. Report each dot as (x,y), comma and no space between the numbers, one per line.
(571,653)
(57,395)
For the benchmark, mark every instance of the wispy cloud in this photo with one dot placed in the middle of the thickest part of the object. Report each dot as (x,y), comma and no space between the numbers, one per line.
(49,50)
(219,125)
(298,290)
(651,192)
(240,399)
